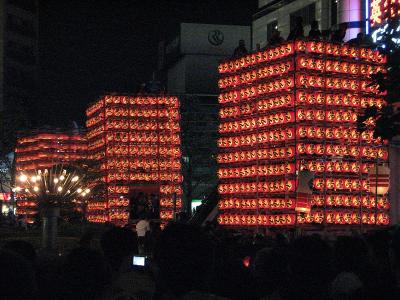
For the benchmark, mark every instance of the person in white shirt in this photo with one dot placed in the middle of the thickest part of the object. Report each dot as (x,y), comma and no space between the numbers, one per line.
(142,228)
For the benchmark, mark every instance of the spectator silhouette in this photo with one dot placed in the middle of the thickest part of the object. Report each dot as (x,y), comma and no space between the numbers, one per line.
(270,271)
(183,256)
(314,33)
(338,35)
(17,278)
(311,269)
(118,244)
(275,38)
(84,275)
(240,50)
(297,31)
(23,248)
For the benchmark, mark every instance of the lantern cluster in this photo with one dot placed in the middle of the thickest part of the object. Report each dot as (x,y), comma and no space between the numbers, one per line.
(135,140)
(293,107)
(42,150)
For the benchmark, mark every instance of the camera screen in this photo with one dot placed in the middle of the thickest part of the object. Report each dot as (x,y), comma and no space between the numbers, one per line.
(139,261)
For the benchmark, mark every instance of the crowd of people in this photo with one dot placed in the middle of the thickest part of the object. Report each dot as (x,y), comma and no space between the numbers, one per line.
(297,32)
(190,262)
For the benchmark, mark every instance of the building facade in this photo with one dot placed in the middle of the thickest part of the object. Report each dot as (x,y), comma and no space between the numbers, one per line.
(189,62)
(18,54)
(281,15)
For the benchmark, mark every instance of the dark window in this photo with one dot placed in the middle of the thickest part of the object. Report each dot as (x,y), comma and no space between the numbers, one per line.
(333,12)
(306,13)
(271,27)
(29,5)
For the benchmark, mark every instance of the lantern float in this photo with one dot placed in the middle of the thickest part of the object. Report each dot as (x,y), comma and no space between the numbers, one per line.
(299,102)
(43,149)
(136,142)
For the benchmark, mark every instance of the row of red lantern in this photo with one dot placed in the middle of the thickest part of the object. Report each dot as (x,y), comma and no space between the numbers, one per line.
(303,148)
(288,49)
(281,101)
(339,116)
(310,63)
(94,121)
(118,189)
(278,52)
(98,205)
(338,66)
(168,202)
(118,215)
(50,138)
(26,203)
(342,150)
(141,113)
(97,218)
(126,100)
(166,215)
(302,81)
(139,125)
(351,100)
(94,132)
(59,156)
(143,137)
(338,133)
(261,203)
(278,186)
(254,220)
(93,145)
(154,176)
(341,184)
(302,97)
(351,201)
(25,211)
(171,189)
(277,135)
(149,163)
(289,168)
(335,83)
(265,71)
(134,150)
(117,201)
(273,86)
(37,165)
(257,170)
(65,146)
(260,122)
(344,218)
(322,47)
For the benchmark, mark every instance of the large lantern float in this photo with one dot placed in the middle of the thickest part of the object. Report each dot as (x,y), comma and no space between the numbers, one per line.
(136,142)
(295,106)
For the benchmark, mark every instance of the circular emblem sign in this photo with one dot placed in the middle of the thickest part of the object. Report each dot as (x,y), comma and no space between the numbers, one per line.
(215,37)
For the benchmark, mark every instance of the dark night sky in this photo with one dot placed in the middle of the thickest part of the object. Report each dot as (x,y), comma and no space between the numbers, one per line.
(89,47)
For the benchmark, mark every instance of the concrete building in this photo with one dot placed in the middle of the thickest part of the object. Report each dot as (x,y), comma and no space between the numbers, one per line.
(281,14)
(189,64)
(18,54)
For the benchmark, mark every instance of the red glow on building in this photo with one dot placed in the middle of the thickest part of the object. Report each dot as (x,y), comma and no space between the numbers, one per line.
(44,149)
(136,140)
(295,106)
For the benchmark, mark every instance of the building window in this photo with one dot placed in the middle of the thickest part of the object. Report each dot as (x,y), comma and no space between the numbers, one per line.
(334,4)
(271,27)
(306,13)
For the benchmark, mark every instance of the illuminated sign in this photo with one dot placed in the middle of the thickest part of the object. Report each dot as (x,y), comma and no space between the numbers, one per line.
(382,10)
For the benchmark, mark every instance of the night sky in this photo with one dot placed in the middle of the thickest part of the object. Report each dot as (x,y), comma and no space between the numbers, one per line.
(89,47)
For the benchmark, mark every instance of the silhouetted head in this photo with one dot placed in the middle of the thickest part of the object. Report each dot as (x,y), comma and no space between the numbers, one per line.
(184,257)
(17,279)
(23,248)
(84,275)
(314,25)
(241,43)
(118,243)
(360,36)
